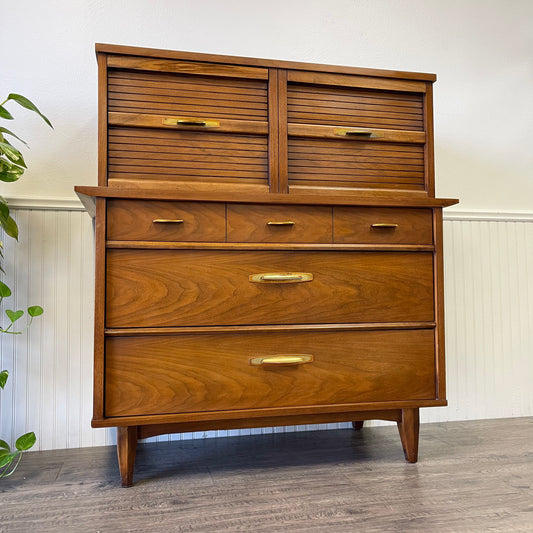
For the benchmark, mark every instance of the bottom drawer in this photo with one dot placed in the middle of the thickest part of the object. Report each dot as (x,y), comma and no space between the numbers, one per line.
(152,375)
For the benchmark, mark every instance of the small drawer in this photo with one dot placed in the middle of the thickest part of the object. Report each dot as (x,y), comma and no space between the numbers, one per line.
(279,223)
(151,375)
(147,220)
(382,225)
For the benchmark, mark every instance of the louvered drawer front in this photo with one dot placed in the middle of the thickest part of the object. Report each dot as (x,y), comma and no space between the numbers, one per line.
(188,373)
(188,89)
(158,288)
(381,225)
(150,155)
(357,107)
(186,121)
(348,162)
(148,220)
(272,223)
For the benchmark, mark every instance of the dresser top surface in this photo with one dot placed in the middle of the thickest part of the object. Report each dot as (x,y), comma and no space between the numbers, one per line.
(264,198)
(265,63)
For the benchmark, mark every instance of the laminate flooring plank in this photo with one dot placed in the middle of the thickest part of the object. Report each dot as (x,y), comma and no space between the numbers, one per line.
(472,476)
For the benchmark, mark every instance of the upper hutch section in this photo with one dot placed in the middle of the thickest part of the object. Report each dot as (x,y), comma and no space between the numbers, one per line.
(217,123)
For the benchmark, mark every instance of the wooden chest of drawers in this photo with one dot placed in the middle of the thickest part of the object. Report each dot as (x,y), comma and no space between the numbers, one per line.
(268,246)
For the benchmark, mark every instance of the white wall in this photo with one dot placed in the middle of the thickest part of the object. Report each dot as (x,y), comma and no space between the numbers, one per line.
(482,52)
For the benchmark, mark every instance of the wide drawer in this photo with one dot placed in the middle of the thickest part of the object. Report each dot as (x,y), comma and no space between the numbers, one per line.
(158,288)
(147,220)
(382,225)
(278,223)
(192,373)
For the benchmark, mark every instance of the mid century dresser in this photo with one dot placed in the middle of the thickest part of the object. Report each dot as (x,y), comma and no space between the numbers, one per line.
(268,246)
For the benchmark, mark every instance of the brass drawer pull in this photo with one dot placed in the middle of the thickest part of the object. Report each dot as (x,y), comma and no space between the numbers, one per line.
(282,360)
(167,221)
(343,132)
(281,277)
(384,225)
(198,122)
(281,223)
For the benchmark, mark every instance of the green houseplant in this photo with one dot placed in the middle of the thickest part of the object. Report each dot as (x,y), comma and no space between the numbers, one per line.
(12,166)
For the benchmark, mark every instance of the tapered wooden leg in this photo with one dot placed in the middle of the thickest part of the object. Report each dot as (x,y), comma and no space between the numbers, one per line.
(408,427)
(126,448)
(358,424)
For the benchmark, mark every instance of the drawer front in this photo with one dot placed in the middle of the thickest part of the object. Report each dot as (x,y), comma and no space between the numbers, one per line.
(381,225)
(184,121)
(158,288)
(147,220)
(273,223)
(150,154)
(330,162)
(200,90)
(191,373)
(352,106)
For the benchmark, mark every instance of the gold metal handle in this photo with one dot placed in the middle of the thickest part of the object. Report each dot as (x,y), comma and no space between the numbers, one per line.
(281,223)
(384,225)
(281,277)
(167,221)
(343,132)
(282,360)
(198,122)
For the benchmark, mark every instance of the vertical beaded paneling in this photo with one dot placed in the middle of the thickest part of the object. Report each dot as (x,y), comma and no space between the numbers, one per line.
(489,328)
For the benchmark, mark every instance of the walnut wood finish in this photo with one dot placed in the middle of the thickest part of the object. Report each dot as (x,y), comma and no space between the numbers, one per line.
(150,288)
(409,427)
(126,448)
(302,197)
(382,225)
(164,375)
(271,223)
(250,208)
(165,221)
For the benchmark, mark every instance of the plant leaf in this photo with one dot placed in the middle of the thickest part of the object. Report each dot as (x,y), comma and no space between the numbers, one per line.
(14,315)
(7,458)
(26,441)
(5,291)
(9,172)
(12,153)
(35,310)
(24,102)
(4,208)
(4,445)
(10,227)
(4,113)
(3,379)
(5,130)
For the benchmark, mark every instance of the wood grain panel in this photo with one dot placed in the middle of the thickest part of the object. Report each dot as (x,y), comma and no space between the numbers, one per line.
(132,220)
(190,67)
(143,154)
(250,223)
(356,163)
(354,225)
(162,288)
(308,104)
(376,134)
(359,82)
(188,373)
(186,94)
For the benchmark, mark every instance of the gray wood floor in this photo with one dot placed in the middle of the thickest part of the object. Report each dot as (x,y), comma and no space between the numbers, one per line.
(471,477)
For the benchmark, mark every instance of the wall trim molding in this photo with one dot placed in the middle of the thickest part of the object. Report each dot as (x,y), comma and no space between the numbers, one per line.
(44,204)
(73,204)
(501,216)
